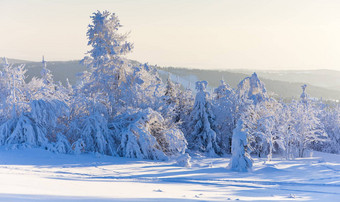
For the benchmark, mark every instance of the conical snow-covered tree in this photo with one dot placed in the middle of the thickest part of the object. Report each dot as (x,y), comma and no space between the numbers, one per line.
(240,160)
(171,91)
(202,137)
(107,43)
(46,74)
(224,110)
(171,108)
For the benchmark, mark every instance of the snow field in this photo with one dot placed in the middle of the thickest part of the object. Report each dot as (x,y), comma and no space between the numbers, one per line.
(35,174)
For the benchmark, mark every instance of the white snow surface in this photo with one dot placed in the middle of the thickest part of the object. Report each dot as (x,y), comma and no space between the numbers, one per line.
(39,175)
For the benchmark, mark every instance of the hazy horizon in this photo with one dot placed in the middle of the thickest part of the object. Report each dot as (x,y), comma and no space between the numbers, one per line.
(267,35)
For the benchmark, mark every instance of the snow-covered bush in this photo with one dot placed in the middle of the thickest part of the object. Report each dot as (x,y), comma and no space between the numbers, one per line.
(49,115)
(78,146)
(330,118)
(263,122)
(306,127)
(62,145)
(142,135)
(22,131)
(96,135)
(184,160)
(90,132)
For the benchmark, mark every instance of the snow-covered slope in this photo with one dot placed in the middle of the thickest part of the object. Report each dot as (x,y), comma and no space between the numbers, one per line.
(38,175)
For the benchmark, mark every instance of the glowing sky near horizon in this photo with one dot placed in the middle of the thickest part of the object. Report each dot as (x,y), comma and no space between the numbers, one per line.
(261,34)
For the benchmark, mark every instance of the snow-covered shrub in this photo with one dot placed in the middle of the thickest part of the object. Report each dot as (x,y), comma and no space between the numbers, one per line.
(62,145)
(92,132)
(142,135)
(96,135)
(331,120)
(263,122)
(240,160)
(49,115)
(175,142)
(184,160)
(306,127)
(23,132)
(78,146)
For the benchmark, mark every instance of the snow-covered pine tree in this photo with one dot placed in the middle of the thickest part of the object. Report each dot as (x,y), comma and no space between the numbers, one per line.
(118,83)
(170,108)
(107,70)
(240,160)
(185,105)
(202,136)
(46,74)
(224,108)
(171,91)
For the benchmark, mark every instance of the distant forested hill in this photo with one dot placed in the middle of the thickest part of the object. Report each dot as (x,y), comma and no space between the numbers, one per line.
(285,84)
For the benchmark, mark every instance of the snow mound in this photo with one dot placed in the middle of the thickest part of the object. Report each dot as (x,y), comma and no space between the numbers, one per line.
(268,169)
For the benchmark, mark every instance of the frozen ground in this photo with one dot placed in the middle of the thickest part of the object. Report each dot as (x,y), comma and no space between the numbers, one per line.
(37,175)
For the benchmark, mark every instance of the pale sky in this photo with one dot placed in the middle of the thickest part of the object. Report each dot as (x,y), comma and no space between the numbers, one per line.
(210,34)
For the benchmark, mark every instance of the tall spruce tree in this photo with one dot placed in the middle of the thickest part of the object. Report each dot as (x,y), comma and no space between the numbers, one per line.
(202,137)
